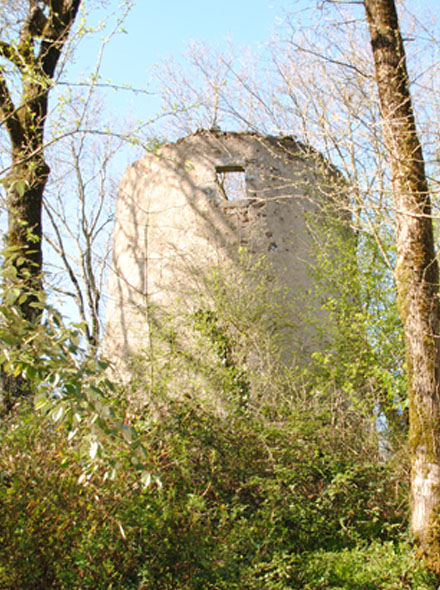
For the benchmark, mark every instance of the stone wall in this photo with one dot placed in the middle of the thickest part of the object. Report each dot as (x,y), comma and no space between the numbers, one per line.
(197,203)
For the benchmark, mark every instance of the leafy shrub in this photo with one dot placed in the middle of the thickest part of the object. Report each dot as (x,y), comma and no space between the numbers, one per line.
(261,476)
(234,493)
(254,490)
(378,566)
(374,566)
(55,532)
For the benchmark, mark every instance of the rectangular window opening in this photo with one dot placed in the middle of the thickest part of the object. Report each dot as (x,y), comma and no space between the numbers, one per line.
(231,181)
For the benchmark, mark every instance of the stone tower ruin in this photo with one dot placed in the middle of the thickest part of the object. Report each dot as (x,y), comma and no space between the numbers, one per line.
(198,202)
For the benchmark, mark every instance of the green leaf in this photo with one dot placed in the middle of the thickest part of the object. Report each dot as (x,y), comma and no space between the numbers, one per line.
(40,401)
(20,187)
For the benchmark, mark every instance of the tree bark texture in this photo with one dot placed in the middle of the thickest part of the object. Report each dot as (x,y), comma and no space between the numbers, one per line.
(417,273)
(33,56)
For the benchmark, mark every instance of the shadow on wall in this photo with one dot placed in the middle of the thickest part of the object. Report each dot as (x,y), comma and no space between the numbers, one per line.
(199,203)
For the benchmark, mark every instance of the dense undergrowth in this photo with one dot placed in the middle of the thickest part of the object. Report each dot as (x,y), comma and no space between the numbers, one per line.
(253,474)
(239,504)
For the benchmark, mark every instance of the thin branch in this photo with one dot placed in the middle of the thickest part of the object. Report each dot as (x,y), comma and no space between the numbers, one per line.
(327,59)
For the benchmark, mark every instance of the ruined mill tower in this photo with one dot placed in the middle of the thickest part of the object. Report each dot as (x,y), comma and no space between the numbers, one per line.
(198,202)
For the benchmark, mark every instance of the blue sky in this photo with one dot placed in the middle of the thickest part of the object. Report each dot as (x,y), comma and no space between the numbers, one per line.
(156,31)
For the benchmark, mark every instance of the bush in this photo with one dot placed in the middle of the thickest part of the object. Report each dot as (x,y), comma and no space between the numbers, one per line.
(55,532)
(377,566)
(237,495)
(261,476)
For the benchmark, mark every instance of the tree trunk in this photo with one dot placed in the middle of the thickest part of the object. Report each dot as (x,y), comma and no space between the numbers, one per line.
(25,198)
(417,274)
(25,187)
(34,56)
